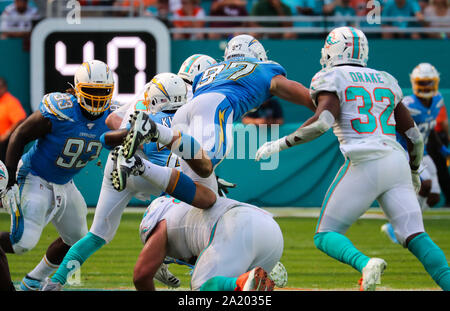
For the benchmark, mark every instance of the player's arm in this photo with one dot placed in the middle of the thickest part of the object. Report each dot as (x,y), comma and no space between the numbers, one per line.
(113,121)
(406,127)
(34,127)
(328,110)
(291,91)
(151,258)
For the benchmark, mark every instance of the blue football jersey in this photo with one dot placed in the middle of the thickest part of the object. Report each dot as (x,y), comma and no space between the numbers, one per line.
(157,153)
(425,117)
(71,144)
(244,81)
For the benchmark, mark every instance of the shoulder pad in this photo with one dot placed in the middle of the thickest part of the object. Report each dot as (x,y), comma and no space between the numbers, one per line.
(58,105)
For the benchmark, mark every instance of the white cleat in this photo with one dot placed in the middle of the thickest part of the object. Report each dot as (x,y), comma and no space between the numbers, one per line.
(142,130)
(255,280)
(123,168)
(279,275)
(50,286)
(371,274)
(166,277)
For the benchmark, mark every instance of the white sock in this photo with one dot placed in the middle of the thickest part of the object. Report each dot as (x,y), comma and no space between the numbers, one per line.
(165,134)
(43,270)
(157,175)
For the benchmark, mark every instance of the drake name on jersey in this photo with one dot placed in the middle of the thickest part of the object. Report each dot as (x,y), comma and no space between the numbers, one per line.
(367,100)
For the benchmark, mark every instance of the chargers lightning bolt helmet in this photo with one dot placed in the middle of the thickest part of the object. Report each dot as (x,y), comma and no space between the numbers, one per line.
(193,65)
(345,46)
(165,92)
(94,86)
(245,46)
(425,80)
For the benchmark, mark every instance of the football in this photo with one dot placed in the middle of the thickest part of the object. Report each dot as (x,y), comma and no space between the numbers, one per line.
(3,177)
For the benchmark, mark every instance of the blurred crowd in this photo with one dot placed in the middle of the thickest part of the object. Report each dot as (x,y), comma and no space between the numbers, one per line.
(394,16)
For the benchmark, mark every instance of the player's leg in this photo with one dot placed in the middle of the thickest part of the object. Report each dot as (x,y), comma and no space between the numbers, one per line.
(28,222)
(5,277)
(166,179)
(404,213)
(255,237)
(435,190)
(203,141)
(108,212)
(47,266)
(339,212)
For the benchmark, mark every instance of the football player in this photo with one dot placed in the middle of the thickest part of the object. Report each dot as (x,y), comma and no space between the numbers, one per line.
(192,66)
(112,203)
(211,238)
(67,129)
(363,106)
(163,95)
(424,106)
(201,132)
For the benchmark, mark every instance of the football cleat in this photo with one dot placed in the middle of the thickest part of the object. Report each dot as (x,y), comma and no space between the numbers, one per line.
(30,284)
(50,286)
(123,167)
(255,280)
(371,274)
(279,275)
(142,130)
(389,231)
(166,277)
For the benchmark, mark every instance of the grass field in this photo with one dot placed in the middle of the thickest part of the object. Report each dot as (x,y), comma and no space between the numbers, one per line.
(308,268)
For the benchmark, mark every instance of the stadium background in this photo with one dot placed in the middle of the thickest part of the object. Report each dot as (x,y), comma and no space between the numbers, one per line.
(304,173)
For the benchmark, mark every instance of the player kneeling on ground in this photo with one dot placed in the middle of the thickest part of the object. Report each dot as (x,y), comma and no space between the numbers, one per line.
(233,244)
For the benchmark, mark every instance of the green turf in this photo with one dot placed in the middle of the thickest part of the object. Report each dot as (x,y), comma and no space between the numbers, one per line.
(308,268)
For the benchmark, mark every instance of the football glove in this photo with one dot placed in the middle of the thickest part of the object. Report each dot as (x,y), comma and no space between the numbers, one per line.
(11,199)
(270,147)
(223,186)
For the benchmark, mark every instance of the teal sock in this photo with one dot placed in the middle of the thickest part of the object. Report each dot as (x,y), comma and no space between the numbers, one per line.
(432,258)
(340,248)
(219,283)
(79,252)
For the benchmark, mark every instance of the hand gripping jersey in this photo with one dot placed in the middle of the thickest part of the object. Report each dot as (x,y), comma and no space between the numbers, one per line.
(425,117)
(366,125)
(244,81)
(71,144)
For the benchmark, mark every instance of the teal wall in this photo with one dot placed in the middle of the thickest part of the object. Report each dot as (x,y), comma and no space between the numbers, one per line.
(305,172)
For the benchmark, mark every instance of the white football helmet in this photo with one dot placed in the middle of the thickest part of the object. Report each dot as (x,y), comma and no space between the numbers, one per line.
(345,45)
(94,86)
(193,65)
(245,46)
(166,91)
(425,80)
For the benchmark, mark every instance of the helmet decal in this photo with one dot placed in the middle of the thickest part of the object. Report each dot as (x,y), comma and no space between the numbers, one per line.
(160,87)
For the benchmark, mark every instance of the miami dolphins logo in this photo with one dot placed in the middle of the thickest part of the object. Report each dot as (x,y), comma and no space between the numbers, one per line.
(331,39)
(2,174)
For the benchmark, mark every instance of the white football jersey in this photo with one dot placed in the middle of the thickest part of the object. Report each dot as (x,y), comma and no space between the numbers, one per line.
(189,229)
(366,125)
